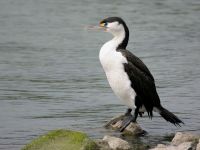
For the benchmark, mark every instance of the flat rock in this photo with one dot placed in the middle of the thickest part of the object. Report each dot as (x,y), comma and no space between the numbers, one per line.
(132,128)
(116,143)
(182,137)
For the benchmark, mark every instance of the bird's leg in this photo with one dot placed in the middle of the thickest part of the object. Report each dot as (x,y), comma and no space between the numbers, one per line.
(124,117)
(128,112)
(132,118)
(141,113)
(127,116)
(129,119)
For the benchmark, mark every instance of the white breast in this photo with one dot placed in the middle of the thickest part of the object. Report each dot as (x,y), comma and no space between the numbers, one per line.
(112,62)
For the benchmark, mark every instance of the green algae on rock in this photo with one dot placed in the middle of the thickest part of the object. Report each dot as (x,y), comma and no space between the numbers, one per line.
(62,140)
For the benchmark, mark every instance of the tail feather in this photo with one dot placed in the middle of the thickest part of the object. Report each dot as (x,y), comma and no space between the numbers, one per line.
(170,117)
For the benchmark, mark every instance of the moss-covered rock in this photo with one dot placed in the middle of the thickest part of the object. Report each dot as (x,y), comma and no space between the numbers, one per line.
(62,140)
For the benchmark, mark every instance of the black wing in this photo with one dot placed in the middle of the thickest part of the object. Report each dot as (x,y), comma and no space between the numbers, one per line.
(136,62)
(142,81)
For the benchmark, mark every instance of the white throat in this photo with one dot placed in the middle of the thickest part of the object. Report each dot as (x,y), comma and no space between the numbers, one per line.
(118,38)
(115,42)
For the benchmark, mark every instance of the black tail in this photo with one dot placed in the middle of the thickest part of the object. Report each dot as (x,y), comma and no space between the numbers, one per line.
(168,116)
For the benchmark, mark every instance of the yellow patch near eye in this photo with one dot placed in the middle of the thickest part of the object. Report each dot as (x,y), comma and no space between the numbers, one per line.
(102,24)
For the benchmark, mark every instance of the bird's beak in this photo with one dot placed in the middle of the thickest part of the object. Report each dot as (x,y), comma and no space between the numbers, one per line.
(100,27)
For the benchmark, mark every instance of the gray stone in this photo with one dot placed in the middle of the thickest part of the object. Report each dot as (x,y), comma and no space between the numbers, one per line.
(185,146)
(102,145)
(181,137)
(132,128)
(164,147)
(116,143)
(198,145)
(182,146)
(181,141)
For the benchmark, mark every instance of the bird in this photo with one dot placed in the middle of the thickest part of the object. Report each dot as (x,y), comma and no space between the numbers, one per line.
(128,76)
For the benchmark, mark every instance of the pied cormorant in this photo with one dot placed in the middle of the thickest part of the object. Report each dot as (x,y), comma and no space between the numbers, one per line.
(128,76)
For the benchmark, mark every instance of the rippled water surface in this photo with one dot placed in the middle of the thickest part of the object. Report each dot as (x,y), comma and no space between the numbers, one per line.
(50,75)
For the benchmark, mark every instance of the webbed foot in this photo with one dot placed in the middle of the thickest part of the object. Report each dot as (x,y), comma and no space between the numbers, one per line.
(126,121)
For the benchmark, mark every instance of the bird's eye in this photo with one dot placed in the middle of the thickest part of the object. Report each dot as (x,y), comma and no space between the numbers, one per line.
(105,24)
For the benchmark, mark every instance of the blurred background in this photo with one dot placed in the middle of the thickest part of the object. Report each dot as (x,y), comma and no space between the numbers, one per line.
(50,75)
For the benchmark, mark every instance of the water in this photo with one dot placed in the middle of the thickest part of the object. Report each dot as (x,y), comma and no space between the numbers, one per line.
(50,75)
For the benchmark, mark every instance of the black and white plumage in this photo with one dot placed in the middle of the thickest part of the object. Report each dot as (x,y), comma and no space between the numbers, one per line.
(128,76)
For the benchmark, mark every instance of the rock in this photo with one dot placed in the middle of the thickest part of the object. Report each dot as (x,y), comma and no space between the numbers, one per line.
(185,146)
(62,140)
(181,137)
(102,145)
(163,147)
(181,141)
(132,128)
(116,143)
(182,146)
(198,145)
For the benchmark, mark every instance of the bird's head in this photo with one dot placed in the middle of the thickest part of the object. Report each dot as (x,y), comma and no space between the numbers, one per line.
(117,27)
(113,25)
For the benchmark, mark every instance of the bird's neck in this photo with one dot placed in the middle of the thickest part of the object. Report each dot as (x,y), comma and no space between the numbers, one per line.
(118,39)
(114,44)
(124,40)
